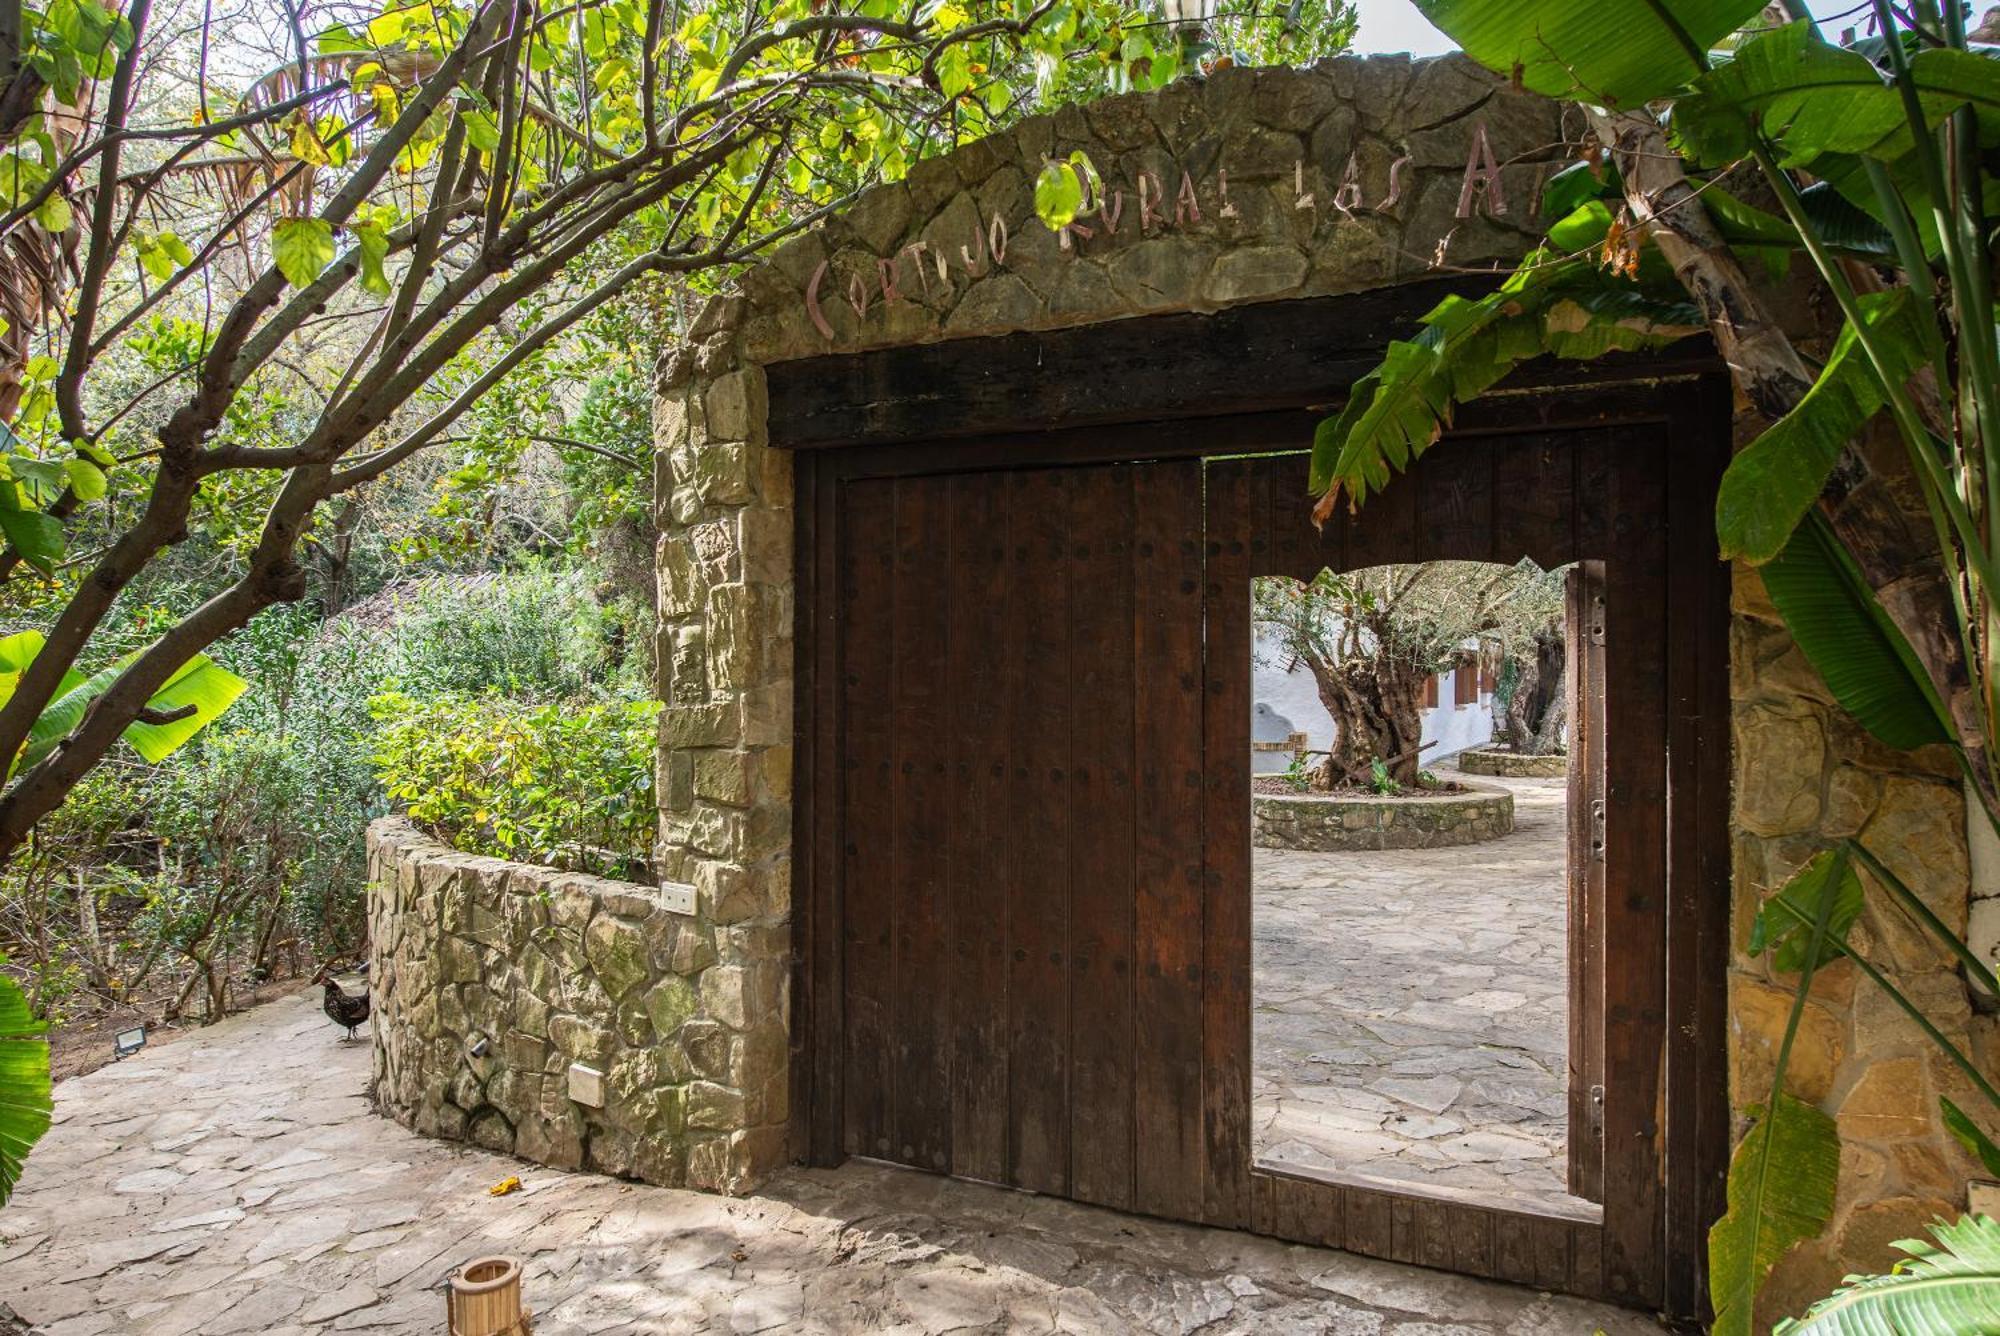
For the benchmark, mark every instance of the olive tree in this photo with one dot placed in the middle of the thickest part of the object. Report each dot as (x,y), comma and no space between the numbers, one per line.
(1372,639)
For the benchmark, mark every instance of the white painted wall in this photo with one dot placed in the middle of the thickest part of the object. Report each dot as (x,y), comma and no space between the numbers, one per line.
(1283,702)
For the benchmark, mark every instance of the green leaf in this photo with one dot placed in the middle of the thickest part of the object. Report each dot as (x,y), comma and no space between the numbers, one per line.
(17,651)
(1812,99)
(302,249)
(481,129)
(1564,307)
(1807,95)
(1583,227)
(200,682)
(1843,632)
(1843,227)
(37,537)
(1770,486)
(1578,182)
(1824,889)
(1966,1132)
(1780,1191)
(62,714)
(1952,1288)
(372,244)
(1614,52)
(1058,195)
(54,214)
(85,479)
(25,1099)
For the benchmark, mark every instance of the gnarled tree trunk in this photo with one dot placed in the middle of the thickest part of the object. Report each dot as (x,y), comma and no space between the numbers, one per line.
(1537,696)
(1378,714)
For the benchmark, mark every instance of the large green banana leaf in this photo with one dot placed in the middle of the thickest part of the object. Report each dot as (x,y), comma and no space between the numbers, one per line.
(1785,922)
(1829,108)
(1952,1289)
(25,1102)
(1771,485)
(1780,1190)
(1550,305)
(1843,632)
(1810,98)
(1781,1178)
(200,682)
(1617,53)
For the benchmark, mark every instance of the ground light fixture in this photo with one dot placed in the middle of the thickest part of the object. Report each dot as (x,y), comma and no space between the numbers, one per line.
(127,1042)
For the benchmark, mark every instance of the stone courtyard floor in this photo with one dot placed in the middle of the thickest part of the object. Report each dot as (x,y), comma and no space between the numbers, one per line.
(1412,1009)
(236,1181)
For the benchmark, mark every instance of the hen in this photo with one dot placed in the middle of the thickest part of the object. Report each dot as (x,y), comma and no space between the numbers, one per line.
(342,1008)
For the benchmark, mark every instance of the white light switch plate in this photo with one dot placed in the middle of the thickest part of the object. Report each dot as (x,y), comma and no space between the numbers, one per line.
(586,1085)
(677,896)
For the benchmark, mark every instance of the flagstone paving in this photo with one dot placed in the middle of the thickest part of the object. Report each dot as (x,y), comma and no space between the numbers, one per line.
(236,1181)
(1412,1009)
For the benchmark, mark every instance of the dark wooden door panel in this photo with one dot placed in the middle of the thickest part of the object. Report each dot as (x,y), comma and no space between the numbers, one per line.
(1026,848)
(1103,817)
(1583,616)
(1020,708)
(977,738)
(1167,760)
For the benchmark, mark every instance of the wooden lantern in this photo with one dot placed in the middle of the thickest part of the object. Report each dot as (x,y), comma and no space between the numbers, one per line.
(485,1299)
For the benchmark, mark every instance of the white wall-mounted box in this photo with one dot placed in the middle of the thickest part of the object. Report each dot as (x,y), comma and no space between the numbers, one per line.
(586,1085)
(677,897)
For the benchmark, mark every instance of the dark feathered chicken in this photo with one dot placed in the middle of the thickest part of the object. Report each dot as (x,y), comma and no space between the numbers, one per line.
(343,1009)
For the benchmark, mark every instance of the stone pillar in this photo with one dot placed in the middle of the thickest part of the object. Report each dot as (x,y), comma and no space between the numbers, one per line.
(1807,774)
(723,500)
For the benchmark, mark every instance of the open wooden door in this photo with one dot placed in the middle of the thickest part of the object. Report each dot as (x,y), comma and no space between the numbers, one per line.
(1584,623)
(1026,943)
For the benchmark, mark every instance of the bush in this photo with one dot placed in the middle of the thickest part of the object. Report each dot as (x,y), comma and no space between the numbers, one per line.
(567,784)
(535,634)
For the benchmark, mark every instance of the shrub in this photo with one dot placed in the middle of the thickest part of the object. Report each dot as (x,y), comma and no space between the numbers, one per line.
(568,784)
(533,634)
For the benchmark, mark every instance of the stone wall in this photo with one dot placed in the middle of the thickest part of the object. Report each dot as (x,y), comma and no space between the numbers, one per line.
(549,969)
(1261,157)
(1410,821)
(1806,774)
(1512,764)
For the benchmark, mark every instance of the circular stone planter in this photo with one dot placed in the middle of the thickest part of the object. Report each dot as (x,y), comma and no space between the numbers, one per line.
(1326,824)
(1513,765)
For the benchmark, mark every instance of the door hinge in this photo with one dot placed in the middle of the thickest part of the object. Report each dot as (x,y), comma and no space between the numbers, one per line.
(1597,830)
(1594,629)
(1597,1112)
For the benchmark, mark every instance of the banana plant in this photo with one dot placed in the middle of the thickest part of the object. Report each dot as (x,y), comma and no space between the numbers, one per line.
(25,1103)
(1901,622)
(1952,1286)
(191,700)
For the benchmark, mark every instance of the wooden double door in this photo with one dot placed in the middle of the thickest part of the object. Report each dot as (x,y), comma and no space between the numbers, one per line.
(1026,833)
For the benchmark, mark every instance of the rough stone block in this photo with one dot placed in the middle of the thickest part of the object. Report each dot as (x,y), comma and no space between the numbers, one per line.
(581,1040)
(617,953)
(714,1108)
